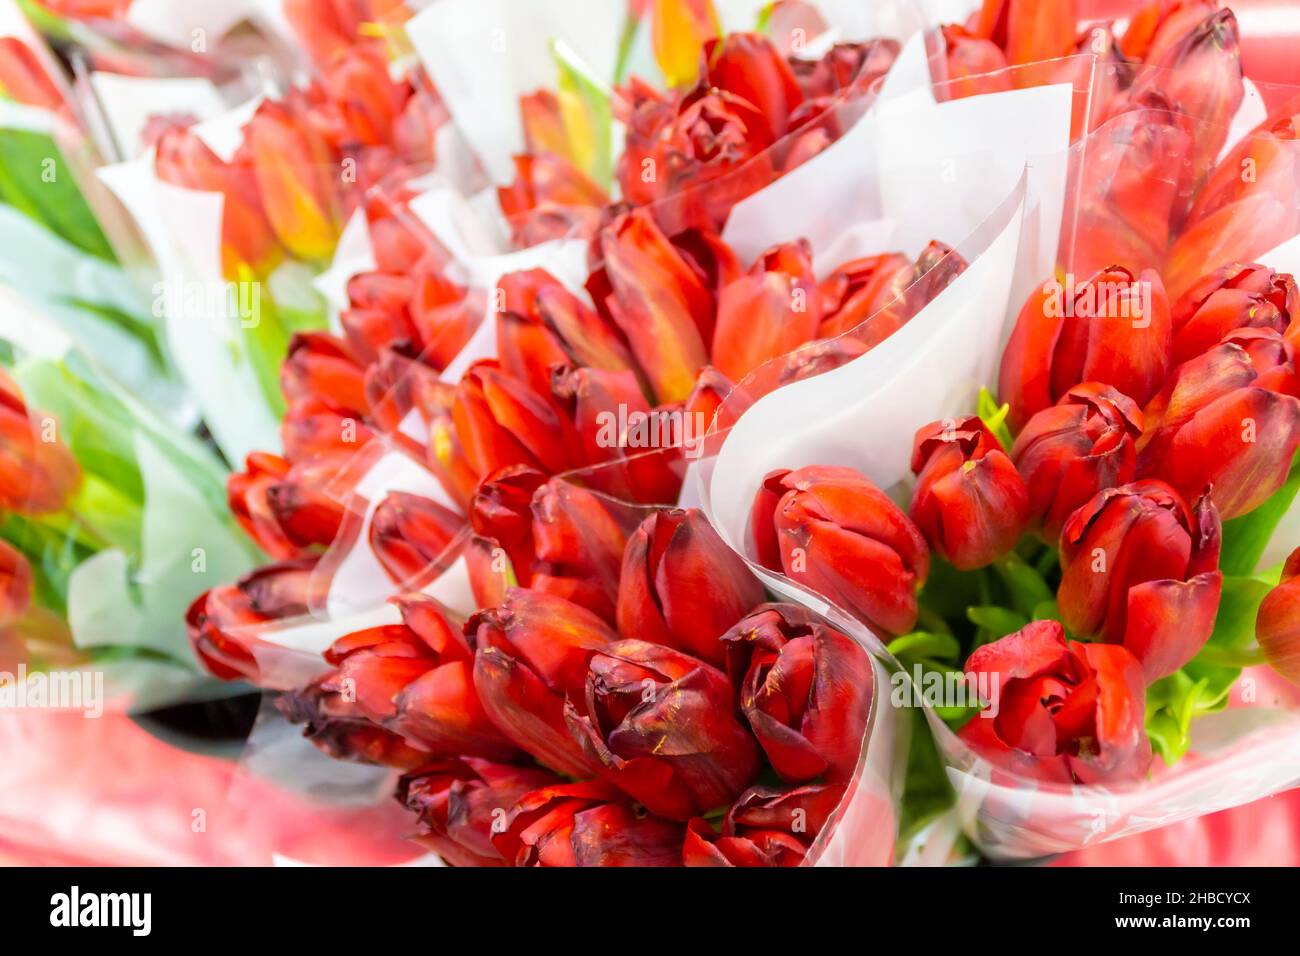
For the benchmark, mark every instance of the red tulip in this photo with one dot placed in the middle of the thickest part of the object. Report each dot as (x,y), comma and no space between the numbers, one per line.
(764,827)
(414,679)
(1199,76)
(295,173)
(551,198)
(1277,624)
(578,542)
(1247,206)
(397,385)
(500,422)
(856,65)
(659,302)
(221,622)
(1235,296)
(462,803)
(410,535)
(531,653)
(969,500)
(972,65)
(1157,27)
(1109,329)
(832,530)
(771,311)
(445,316)
(1083,444)
(1228,418)
(38,474)
(502,511)
(364,97)
(378,315)
(748,66)
(24,79)
(15,583)
(247,240)
(584,824)
(876,296)
(682,587)
(322,366)
(805,689)
(661,726)
(1139,568)
(1067,712)
(285,509)
(445,454)
(314,429)
(1029,31)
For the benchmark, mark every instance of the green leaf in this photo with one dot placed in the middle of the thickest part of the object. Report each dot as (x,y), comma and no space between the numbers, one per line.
(923,645)
(1232,643)
(1025,585)
(998,621)
(587,114)
(1246,538)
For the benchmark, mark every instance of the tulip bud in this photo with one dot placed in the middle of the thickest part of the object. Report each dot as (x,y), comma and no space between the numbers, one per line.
(365,97)
(805,689)
(313,429)
(531,653)
(1277,625)
(579,546)
(378,316)
(461,801)
(766,826)
(661,726)
(1139,568)
(1113,329)
(1235,296)
(832,530)
(410,535)
(969,500)
(679,31)
(502,511)
(1067,712)
(682,587)
(1066,454)
(585,824)
(1228,418)
(294,171)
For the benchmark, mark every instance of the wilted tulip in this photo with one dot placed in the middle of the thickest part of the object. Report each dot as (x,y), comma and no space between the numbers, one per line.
(1140,568)
(532,653)
(805,689)
(833,531)
(772,310)
(410,535)
(585,824)
(295,172)
(682,587)
(38,474)
(285,508)
(221,622)
(1067,712)
(1083,444)
(1229,418)
(1111,328)
(460,802)
(1277,625)
(1234,296)
(766,826)
(969,500)
(662,306)
(662,727)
